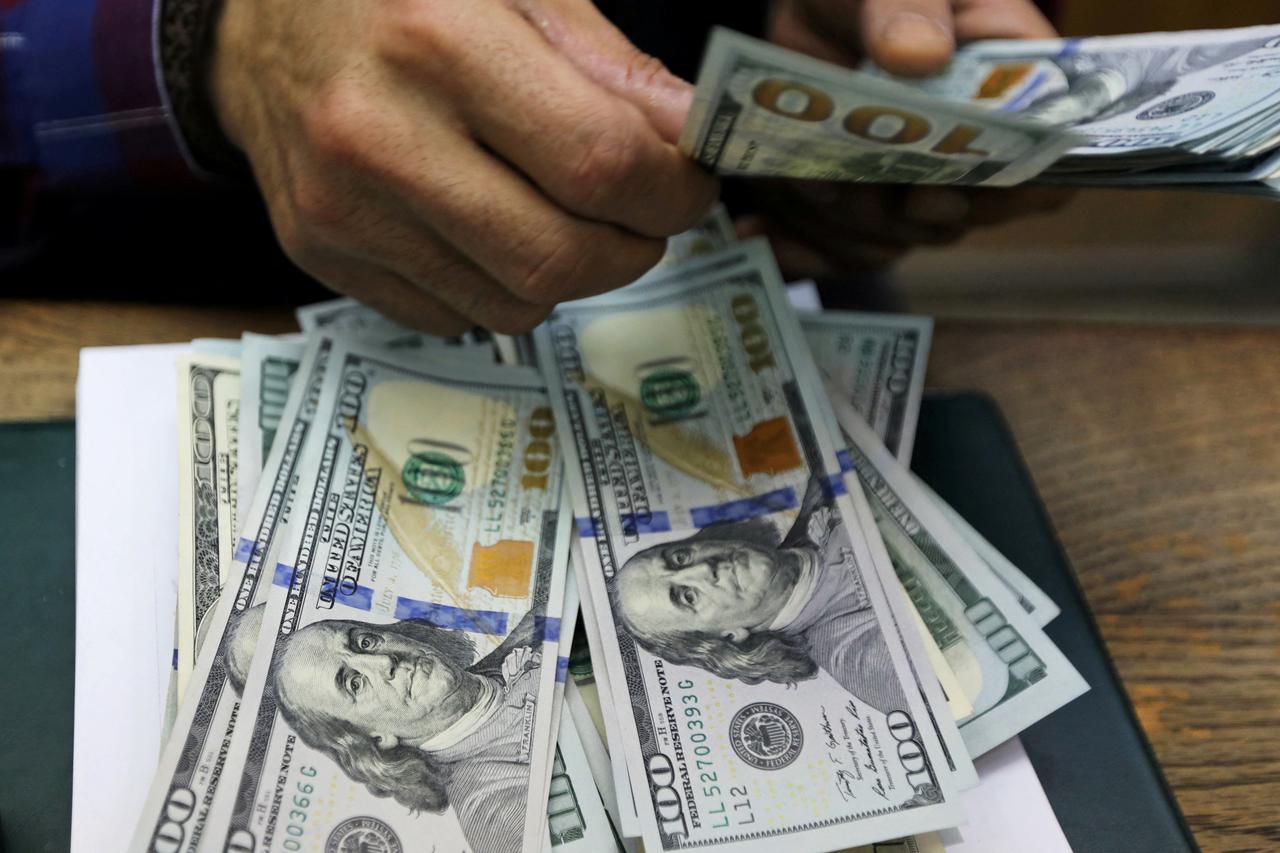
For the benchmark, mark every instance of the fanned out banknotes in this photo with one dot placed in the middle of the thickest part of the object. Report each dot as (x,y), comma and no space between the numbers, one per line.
(386,539)
(1198,108)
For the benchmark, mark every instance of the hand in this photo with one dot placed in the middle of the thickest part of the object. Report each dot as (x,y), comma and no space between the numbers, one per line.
(457,162)
(821,229)
(908,37)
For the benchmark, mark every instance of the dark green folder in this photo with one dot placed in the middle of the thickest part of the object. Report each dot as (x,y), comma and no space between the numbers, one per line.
(1092,759)
(37,635)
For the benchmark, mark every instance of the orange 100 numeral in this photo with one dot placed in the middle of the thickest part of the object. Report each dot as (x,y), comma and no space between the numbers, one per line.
(813,104)
(537,453)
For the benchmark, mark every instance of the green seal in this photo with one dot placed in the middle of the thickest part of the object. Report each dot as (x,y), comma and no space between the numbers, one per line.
(433,478)
(670,394)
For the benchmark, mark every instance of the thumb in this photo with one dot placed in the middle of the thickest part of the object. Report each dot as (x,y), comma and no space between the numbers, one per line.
(909,37)
(603,54)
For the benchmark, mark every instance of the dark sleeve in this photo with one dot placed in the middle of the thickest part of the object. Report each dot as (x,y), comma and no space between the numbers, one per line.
(106,136)
(185,42)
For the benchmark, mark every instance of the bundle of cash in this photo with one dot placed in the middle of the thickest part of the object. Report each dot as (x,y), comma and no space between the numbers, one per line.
(388,539)
(1160,108)
(760,110)
(1190,108)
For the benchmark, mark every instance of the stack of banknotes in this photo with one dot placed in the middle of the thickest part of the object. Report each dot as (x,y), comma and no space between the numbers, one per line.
(688,519)
(1191,108)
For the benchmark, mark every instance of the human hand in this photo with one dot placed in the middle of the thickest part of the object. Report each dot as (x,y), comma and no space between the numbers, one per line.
(823,229)
(457,162)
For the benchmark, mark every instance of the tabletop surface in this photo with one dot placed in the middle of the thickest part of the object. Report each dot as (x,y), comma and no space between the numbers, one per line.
(1156,451)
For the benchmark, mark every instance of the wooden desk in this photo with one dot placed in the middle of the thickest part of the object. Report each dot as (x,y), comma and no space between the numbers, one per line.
(1157,452)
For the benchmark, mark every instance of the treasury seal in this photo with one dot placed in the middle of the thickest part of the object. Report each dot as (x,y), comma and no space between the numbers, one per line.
(766,736)
(362,835)
(1176,105)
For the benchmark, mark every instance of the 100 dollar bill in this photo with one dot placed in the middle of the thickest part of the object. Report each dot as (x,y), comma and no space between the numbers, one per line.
(402,685)
(268,366)
(1011,672)
(771,694)
(876,364)
(766,111)
(208,420)
(176,813)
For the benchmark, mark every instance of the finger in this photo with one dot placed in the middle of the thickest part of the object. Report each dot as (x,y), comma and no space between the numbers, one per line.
(836,214)
(797,259)
(397,239)
(538,253)
(908,37)
(392,296)
(939,208)
(593,153)
(792,26)
(995,19)
(994,207)
(599,50)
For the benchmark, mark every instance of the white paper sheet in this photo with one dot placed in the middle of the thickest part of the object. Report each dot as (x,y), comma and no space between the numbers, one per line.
(1008,812)
(126,583)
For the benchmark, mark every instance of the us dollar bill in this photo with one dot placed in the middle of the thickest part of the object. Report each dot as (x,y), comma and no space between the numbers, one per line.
(352,319)
(602,703)
(1012,673)
(269,364)
(714,231)
(226,347)
(576,819)
(1141,100)
(342,315)
(1038,605)
(586,719)
(208,421)
(401,686)
(772,693)
(568,615)
(766,111)
(1187,108)
(175,816)
(877,362)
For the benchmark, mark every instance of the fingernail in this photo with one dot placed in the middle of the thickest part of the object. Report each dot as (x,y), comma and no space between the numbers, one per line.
(919,32)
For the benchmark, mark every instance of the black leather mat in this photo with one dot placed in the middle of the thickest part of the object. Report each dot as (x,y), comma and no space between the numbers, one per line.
(1091,756)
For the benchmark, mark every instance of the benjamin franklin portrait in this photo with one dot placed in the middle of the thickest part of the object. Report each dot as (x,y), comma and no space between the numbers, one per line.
(734,600)
(406,710)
